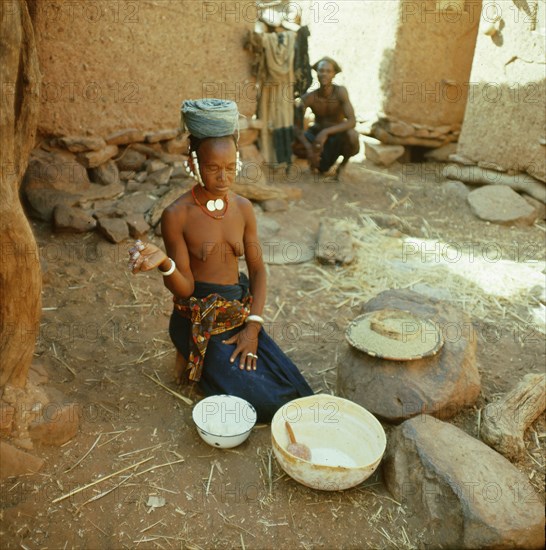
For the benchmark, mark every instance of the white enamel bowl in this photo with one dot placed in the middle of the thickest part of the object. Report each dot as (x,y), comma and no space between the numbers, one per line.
(346,441)
(224,421)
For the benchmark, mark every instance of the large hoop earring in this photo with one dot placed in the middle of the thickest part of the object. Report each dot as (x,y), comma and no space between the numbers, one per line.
(197,174)
(238,164)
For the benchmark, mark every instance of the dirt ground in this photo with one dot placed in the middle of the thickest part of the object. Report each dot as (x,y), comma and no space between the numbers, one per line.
(103,330)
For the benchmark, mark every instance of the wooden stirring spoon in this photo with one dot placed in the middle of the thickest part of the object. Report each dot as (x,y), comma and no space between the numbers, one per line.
(297,449)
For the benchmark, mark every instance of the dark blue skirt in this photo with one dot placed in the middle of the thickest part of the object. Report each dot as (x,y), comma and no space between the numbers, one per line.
(276,379)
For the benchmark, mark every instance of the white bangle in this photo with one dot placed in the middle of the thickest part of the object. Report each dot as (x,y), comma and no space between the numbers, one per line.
(256,318)
(170,270)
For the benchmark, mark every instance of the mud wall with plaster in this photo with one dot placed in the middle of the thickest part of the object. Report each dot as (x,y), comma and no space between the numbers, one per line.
(505,118)
(108,65)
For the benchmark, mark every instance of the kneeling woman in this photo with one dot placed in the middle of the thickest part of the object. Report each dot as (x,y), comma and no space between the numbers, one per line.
(216,324)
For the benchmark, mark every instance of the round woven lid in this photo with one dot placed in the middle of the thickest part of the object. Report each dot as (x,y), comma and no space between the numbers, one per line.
(394,334)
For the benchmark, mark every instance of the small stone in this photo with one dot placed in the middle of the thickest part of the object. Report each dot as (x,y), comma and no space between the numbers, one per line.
(383,155)
(105,174)
(540,207)
(274,205)
(334,246)
(132,186)
(16,462)
(161,177)
(58,424)
(422,133)
(126,175)
(400,128)
(67,219)
(179,170)
(501,204)
(137,225)
(491,166)
(79,144)
(460,159)
(466,494)
(92,159)
(123,137)
(141,176)
(171,159)
(131,160)
(439,131)
(114,229)
(161,135)
(177,146)
(138,202)
(456,188)
(441,154)
(155,165)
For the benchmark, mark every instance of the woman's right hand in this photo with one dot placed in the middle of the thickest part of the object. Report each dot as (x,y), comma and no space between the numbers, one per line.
(145,257)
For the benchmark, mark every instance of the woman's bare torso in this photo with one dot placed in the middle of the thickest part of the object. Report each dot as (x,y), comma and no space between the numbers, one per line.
(214,245)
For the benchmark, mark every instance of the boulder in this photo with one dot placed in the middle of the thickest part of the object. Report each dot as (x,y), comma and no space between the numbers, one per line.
(92,159)
(114,229)
(131,160)
(105,174)
(125,136)
(57,425)
(79,144)
(467,495)
(440,385)
(42,202)
(55,169)
(382,155)
(67,219)
(501,204)
(14,462)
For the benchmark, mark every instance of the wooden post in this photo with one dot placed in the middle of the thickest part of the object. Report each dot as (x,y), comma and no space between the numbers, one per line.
(504,422)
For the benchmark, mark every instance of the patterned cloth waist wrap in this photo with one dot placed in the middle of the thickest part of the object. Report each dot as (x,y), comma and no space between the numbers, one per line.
(209,315)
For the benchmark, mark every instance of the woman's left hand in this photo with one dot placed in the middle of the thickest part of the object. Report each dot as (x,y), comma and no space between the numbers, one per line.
(246,345)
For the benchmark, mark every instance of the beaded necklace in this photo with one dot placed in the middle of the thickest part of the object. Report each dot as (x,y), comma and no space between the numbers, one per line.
(206,210)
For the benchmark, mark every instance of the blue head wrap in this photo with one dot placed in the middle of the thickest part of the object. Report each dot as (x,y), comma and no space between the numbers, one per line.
(209,117)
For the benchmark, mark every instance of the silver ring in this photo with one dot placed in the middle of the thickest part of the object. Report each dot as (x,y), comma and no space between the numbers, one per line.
(252,355)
